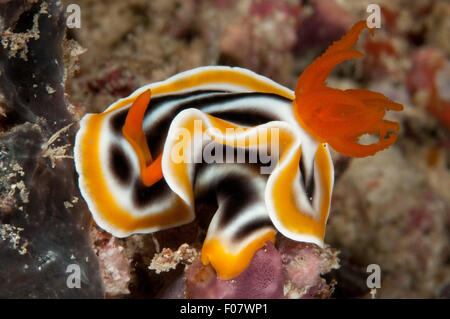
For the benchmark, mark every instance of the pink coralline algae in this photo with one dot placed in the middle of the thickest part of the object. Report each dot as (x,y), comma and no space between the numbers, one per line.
(292,271)
(114,264)
(262,279)
(303,266)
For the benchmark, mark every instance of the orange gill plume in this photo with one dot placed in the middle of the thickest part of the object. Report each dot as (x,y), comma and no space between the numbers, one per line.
(151,171)
(340,117)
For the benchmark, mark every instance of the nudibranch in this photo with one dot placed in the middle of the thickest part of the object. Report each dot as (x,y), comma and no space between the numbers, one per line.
(142,165)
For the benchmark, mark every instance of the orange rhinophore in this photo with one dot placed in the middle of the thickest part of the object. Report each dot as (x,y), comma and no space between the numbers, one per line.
(151,171)
(340,117)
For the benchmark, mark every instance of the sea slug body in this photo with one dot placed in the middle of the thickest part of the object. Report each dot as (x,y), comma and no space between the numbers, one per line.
(142,164)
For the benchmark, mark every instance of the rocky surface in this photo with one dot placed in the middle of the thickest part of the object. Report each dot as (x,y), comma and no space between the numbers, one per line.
(43,220)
